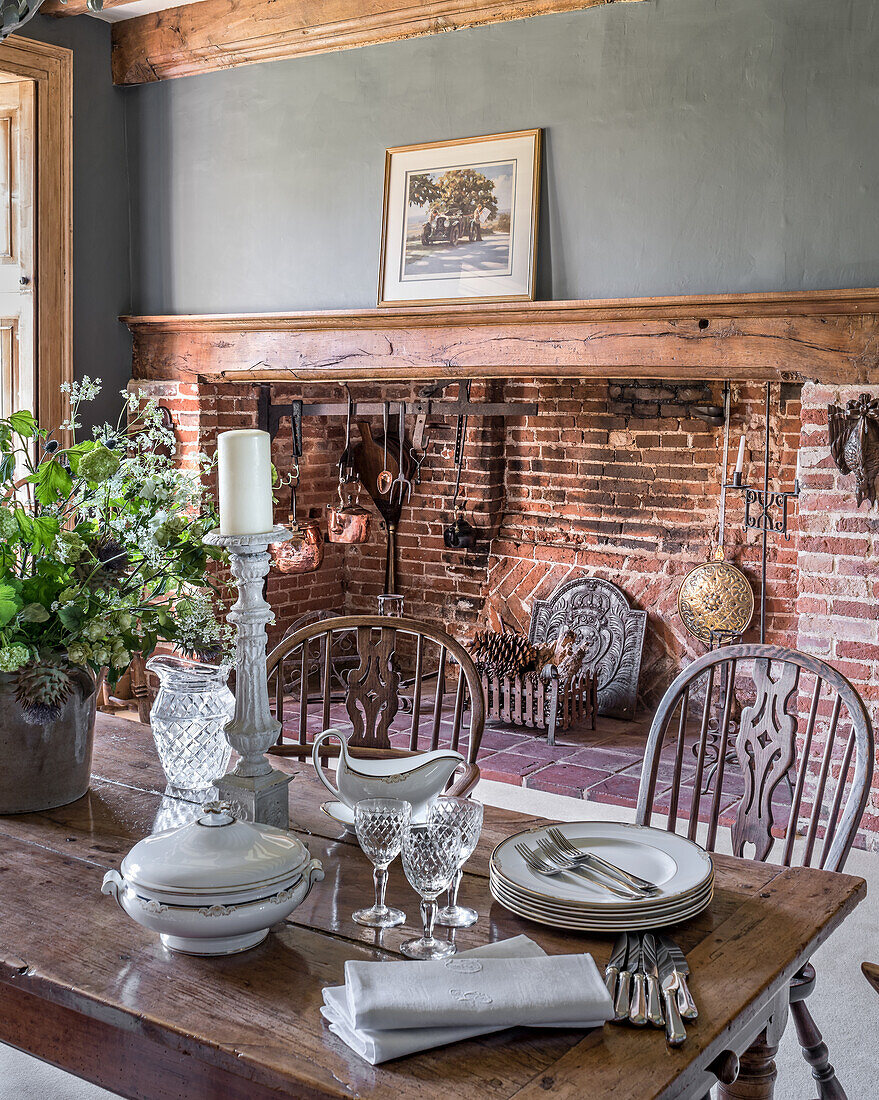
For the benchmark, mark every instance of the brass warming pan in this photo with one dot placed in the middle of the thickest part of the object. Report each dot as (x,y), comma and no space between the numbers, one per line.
(715,599)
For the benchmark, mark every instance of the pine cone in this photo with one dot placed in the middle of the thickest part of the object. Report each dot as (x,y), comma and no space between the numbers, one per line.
(503,654)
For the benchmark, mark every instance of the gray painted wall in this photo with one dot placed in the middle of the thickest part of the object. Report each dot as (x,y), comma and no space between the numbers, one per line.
(101,270)
(690,147)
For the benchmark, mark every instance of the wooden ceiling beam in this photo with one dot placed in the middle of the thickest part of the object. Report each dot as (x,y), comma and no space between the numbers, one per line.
(76,7)
(220,34)
(829,336)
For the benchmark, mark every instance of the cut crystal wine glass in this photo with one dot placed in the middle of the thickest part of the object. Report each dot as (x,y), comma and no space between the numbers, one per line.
(465,815)
(380,823)
(430,861)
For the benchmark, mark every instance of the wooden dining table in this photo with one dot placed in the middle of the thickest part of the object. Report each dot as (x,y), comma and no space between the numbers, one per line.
(83,987)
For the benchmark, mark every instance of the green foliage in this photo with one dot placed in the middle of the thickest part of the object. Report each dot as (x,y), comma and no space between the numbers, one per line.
(10,603)
(52,482)
(101,551)
(23,424)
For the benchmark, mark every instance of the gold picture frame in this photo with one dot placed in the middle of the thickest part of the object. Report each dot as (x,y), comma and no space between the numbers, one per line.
(459,220)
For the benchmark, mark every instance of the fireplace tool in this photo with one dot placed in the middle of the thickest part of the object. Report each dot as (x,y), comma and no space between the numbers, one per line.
(367,459)
(401,486)
(716,599)
(760,509)
(347,522)
(385,479)
(716,604)
(459,535)
(305,552)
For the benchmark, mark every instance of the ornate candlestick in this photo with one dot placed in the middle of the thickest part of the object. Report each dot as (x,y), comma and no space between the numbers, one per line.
(253,785)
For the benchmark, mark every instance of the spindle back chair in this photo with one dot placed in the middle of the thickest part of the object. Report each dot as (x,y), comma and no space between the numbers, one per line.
(758,742)
(301,672)
(749,701)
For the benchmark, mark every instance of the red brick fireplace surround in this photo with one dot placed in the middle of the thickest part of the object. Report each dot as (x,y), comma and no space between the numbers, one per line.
(615,477)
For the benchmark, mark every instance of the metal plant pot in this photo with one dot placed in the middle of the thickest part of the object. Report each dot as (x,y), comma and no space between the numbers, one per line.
(48,764)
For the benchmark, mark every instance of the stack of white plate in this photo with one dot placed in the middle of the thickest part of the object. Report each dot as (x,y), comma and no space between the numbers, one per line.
(681,869)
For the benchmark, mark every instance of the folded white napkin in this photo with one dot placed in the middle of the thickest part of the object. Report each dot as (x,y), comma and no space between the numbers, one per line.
(579,1000)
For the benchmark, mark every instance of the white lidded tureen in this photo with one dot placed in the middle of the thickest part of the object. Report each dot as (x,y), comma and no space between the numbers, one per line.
(216,885)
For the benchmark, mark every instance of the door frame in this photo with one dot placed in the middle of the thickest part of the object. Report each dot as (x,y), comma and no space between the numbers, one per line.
(51,67)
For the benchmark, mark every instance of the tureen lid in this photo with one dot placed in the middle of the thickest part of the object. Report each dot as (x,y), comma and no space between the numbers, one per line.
(214,854)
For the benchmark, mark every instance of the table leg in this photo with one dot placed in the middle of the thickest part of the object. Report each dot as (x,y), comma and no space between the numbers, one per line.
(757,1073)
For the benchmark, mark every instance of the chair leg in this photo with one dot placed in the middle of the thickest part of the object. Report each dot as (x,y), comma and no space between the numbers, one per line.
(816,1054)
(140,687)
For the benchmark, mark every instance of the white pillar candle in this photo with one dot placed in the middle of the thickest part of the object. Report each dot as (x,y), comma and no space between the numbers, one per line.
(740,461)
(245,481)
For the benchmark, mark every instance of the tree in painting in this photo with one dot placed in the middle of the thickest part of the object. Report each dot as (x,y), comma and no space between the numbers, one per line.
(462,189)
(422,190)
(468,190)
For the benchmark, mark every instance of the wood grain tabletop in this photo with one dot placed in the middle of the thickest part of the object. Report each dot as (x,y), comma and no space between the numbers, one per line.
(84,987)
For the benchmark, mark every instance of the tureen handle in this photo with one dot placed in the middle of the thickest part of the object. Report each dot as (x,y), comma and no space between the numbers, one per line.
(315,758)
(112,884)
(313,873)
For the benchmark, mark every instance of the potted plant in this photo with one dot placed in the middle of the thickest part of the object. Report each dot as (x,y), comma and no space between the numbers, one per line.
(101,555)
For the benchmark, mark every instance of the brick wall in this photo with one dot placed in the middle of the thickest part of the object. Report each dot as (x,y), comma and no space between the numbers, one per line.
(838,565)
(600,482)
(613,479)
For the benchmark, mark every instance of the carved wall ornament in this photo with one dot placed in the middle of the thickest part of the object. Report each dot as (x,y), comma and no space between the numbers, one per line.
(607,628)
(854,443)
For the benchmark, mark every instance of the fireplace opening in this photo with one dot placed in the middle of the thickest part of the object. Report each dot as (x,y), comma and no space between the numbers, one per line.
(615,481)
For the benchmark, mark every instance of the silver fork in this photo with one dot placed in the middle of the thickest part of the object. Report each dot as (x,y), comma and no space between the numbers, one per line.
(551,853)
(576,855)
(543,867)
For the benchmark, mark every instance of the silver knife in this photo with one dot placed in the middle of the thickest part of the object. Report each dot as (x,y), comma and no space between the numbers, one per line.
(685,1001)
(670,981)
(621,1003)
(654,992)
(616,964)
(638,1000)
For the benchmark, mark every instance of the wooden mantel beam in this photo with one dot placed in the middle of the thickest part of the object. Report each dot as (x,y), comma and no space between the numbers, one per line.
(219,34)
(828,336)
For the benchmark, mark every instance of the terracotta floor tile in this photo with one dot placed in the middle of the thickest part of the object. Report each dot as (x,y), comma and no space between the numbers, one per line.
(500,739)
(542,753)
(619,789)
(570,779)
(608,759)
(505,767)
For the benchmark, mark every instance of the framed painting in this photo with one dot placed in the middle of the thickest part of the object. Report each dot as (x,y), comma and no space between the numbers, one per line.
(460,220)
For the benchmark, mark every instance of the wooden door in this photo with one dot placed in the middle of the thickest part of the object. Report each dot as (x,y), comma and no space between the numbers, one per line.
(17,238)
